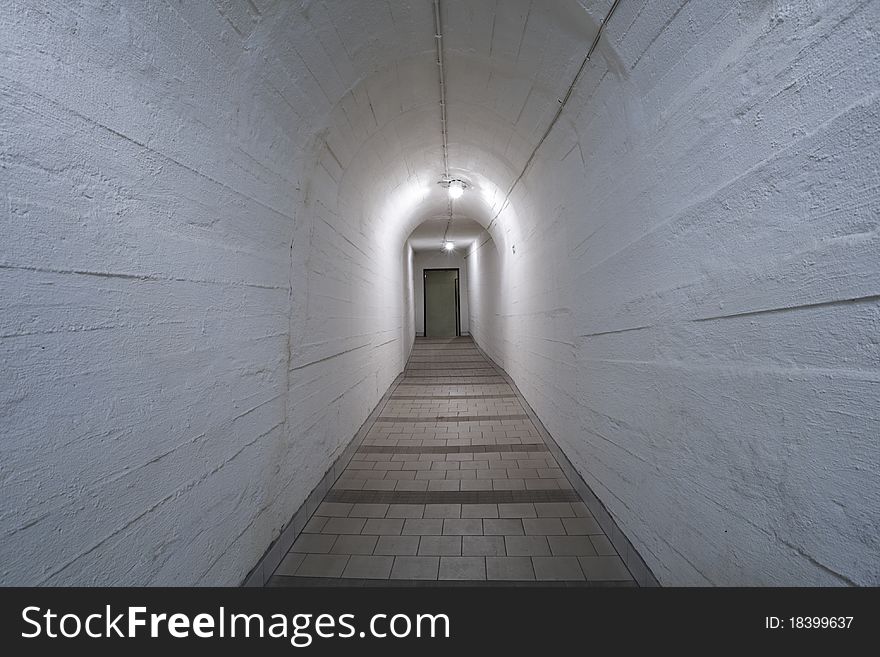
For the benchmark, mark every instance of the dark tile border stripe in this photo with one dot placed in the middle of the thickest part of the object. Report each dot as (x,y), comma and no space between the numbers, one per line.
(446,356)
(449,376)
(454,358)
(447,349)
(450,496)
(448,364)
(458,338)
(496,381)
(450,418)
(451,365)
(447,353)
(348,582)
(451,449)
(511,396)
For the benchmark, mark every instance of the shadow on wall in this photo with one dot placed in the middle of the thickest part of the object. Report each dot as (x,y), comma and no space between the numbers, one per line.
(485,297)
(408,329)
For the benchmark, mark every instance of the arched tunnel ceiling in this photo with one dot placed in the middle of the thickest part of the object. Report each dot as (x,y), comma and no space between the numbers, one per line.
(428,235)
(375,76)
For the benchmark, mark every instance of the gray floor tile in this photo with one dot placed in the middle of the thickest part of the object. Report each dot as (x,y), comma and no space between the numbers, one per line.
(411,485)
(379,484)
(415,568)
(430,474)
(385,526)
(463,527)
(462,568)
(289,564)
(602,545)
(440,546)
(581,526)
(462,475)
(343,526)
(322,565)
(522,473)
(557,568)
(381,465)
(518,510)
(368,567)
(423,527)
(317,543)
(397,545)
(544,526)
(508,484)
(333,509)
(483,546)
(363,474)
(442,511)
(599,569)
(361,465)
(502,527)
(354,545)
(476,484)
(416,465)
(554,510)
(479,510)
(509,568)
(495,473)
(571,546)
(541,484)
(314,525)
(405,511)
(444,484)
(368,511)
(526,546)
(348,484)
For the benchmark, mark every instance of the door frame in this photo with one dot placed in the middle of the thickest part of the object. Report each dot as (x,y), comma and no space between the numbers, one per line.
(457,298)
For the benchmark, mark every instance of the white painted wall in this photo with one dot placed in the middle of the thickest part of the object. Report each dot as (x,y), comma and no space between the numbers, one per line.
(693,307)
(192,324)
(486,292)
(439,260)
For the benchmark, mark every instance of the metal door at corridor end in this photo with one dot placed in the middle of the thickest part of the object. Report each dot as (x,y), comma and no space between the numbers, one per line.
(441,303)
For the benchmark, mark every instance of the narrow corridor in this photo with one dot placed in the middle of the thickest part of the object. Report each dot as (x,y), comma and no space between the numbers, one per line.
(452,482)
(227,225)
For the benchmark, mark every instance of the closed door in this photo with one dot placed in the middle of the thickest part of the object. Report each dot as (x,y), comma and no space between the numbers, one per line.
(441,303)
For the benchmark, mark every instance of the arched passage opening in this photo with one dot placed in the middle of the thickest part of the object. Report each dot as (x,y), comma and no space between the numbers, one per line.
(441,243)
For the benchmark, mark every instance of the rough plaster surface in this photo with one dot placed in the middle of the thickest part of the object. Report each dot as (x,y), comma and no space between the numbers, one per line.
(191,326)
(204,287)
(694,312)
(439,260)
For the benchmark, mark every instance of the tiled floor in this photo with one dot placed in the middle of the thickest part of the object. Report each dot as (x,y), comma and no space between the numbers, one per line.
(452,483)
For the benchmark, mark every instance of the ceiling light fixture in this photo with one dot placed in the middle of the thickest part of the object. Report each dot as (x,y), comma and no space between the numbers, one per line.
(449,246)
(456,189)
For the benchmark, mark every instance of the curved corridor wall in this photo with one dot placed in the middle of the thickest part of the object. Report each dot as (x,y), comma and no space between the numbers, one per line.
(192,326)
(693,307)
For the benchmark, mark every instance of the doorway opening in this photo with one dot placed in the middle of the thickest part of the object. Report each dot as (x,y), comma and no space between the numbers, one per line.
(441,303)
